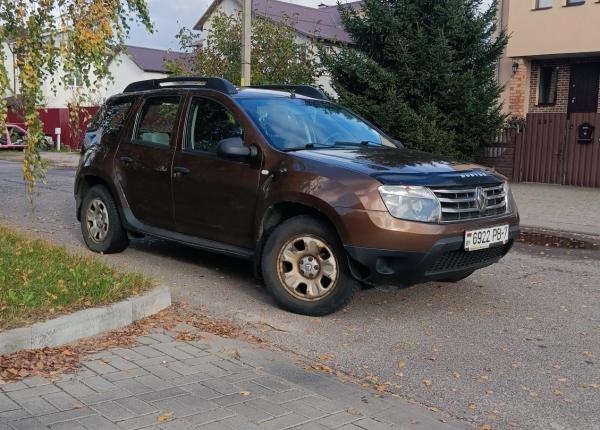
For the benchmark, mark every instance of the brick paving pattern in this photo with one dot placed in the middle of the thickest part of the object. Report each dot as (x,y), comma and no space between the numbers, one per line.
(168,384)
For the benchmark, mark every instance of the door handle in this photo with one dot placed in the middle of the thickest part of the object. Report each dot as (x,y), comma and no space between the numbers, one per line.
(179,171)
(126,160)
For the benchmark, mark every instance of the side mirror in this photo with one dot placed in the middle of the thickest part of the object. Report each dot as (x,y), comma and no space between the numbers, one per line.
(234,147)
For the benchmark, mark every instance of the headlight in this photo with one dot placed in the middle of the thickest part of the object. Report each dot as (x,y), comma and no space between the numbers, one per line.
(411,203)
(511,204)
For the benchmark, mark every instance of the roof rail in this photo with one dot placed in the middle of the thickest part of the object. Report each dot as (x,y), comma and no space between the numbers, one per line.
(218,84)
(303,90)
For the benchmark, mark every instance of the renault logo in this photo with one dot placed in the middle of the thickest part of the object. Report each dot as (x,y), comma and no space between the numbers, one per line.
(481,199)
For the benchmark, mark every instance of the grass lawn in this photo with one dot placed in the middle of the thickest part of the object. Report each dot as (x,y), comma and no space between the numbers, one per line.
(39,281)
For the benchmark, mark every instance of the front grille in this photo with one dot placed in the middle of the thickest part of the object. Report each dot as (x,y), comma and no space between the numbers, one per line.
(462,259)
(460,203)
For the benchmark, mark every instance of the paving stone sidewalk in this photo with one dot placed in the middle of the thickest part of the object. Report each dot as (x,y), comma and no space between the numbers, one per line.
(559,207)
(167,384)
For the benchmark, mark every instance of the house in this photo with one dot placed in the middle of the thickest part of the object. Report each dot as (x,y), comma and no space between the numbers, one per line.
(551,78)
(322,24)
(130,64)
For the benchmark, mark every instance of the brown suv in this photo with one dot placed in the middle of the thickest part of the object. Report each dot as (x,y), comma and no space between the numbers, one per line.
(316,196)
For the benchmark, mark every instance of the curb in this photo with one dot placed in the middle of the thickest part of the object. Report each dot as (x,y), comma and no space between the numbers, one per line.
(85,323)
(561,233)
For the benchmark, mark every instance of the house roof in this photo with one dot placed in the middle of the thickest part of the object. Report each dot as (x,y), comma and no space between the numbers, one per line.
(150,59)
(324,23)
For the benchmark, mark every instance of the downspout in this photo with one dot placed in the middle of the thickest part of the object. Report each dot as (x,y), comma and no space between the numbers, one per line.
(500,28)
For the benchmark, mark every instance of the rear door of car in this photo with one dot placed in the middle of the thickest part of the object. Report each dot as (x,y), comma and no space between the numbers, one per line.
(214,197)
(143,160)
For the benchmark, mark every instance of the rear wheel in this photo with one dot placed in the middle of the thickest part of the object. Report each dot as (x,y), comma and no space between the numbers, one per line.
(100,222)
(305,268)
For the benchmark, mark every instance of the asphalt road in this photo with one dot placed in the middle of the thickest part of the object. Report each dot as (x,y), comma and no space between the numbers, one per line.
(517,345)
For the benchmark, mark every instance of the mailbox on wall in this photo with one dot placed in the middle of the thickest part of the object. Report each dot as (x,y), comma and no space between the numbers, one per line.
(585,133)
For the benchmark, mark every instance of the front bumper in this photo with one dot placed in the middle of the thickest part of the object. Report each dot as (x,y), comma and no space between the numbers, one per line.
(445,258)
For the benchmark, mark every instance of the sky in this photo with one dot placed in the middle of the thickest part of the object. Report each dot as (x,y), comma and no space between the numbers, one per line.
(169,16)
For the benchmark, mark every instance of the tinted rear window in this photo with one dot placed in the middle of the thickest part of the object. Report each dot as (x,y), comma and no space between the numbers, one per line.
(112,115)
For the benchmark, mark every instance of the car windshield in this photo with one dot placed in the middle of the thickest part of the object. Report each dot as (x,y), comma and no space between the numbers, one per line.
(293,123)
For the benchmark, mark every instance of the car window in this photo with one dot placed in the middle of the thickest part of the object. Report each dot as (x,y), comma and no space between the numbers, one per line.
(209,122)
(157,121)
(16,135)
(112,116)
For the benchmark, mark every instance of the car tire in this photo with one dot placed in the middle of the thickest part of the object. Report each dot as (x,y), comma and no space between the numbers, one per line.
(457,277)
(305,268)
(100,222)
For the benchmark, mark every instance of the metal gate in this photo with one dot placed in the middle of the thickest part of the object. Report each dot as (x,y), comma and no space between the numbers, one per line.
(554,152)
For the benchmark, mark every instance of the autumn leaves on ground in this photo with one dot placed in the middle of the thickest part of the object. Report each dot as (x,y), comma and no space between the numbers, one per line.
(39,281)
(52,362)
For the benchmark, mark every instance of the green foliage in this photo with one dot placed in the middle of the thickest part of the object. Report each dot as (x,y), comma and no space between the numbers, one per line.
(51,39)
(38,280)
(277,57)
(424,70)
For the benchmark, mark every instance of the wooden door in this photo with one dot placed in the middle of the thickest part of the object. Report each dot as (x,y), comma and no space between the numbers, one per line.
(583,92)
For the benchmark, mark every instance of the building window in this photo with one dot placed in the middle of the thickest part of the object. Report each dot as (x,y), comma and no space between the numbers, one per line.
(543,4)
(548,85)
(575,2)
(74,80)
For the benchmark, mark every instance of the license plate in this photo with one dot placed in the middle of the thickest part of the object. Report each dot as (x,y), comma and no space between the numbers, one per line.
(485,237)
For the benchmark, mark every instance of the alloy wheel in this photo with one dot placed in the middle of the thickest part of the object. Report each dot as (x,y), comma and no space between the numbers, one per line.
(307,267)
(97,220)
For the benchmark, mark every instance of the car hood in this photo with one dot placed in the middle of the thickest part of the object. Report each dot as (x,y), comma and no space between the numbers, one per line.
(403,166)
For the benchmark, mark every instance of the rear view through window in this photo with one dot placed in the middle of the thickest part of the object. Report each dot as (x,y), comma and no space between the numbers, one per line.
(157,121)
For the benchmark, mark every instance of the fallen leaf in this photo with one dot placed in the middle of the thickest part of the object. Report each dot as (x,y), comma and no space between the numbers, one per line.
(245,393)
(427,382)
(485,427)
(164,417)
(401,365)
(557,392)
(322,367)
(472,406)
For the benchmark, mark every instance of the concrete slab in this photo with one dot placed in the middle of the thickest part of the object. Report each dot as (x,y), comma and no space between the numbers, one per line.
(85,323)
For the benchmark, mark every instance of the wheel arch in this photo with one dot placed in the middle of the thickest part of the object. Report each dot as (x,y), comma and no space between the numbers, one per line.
(278,212)
(85,184)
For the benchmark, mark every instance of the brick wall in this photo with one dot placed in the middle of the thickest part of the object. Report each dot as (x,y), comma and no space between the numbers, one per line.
(562,91)
(518,90)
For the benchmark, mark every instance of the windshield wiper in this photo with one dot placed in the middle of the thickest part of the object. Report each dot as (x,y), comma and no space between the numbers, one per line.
(361,143)
(307,146)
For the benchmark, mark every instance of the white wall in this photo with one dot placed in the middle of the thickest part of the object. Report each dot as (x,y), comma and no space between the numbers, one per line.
(123,70)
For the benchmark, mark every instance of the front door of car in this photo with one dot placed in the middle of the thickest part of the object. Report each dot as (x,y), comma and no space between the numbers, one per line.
(214,197)
(143,162)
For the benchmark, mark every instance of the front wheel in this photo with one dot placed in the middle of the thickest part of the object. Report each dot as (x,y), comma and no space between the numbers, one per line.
(100,222)
(306,269)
